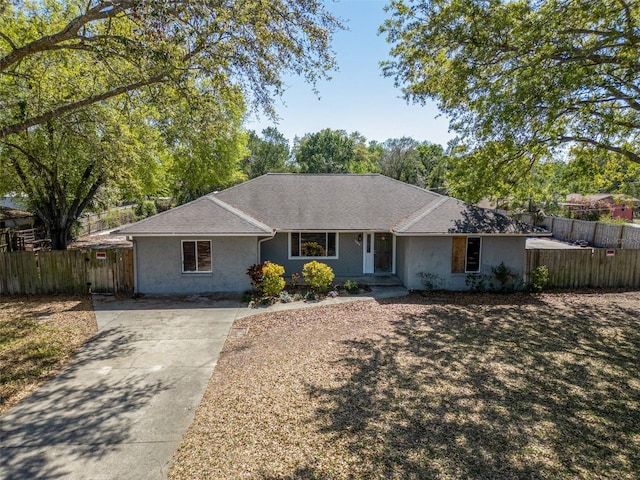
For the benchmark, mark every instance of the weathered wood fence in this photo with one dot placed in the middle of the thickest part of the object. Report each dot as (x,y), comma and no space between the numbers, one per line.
(598,234)
(70,271)
(589,267)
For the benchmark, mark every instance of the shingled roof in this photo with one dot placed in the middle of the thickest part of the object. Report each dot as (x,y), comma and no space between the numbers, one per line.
(205,216)
(321,202)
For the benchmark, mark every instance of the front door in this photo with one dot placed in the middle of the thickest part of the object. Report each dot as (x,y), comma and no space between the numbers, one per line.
(377,251)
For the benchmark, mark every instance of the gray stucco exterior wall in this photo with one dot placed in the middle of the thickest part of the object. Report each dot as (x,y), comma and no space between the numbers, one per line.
(158,263)
(432,256)
(348,263)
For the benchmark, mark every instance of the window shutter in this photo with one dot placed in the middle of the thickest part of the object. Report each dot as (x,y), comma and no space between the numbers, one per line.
(458,254)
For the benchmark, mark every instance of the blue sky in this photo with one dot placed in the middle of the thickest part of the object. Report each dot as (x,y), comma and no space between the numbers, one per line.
(358,98)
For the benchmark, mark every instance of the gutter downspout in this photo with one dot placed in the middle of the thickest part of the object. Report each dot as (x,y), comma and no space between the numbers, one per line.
(258,253)
(135,265)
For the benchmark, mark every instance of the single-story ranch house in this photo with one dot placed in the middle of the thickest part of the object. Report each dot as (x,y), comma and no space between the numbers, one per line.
(360,225)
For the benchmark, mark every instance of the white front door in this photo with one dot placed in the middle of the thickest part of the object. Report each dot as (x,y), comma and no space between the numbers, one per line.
(368,253)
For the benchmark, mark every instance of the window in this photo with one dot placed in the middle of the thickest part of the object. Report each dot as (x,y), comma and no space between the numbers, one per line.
(466,255)
(316,244)
(196,256)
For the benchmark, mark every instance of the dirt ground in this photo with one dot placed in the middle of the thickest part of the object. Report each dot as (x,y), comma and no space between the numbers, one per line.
(441,386)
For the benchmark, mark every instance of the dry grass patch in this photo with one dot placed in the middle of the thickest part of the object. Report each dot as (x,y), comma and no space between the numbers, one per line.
(38,334)
(444,386)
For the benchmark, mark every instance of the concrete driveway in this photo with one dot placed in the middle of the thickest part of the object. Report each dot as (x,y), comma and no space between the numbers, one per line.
(121,409)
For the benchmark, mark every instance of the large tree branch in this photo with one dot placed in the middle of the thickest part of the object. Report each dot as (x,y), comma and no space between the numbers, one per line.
(70,107)
(28,156)
(612,148)
(101,11)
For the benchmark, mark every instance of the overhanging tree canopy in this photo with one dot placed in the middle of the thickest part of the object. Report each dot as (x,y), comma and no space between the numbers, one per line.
(520,78)
(116,47)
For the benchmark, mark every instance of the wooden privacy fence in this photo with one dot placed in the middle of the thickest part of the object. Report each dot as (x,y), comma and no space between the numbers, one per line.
(598,234)
(69,271)
(588,267)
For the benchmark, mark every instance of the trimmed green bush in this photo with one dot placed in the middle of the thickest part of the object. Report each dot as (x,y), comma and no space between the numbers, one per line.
(318,275)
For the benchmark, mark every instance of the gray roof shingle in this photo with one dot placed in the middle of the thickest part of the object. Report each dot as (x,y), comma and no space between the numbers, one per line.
(333,202)
(205,216)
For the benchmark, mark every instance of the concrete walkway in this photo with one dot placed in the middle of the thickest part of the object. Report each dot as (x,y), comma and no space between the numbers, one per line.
(121,409)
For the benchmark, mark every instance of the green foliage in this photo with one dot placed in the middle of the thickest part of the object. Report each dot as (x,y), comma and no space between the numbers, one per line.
(129,97)
(267,278)
(334,151)
(351,286)
(145,209)
(410,161)
(62,165)
(478,282)
(432,281)
(286,297)
(311,295)
(206,143)
(118,216)
(538,278)
(520,81)
(507,280)
(318,275)
(267,154)
(60,57)
(272,280)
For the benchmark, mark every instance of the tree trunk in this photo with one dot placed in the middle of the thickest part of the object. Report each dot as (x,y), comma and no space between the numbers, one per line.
(59,237)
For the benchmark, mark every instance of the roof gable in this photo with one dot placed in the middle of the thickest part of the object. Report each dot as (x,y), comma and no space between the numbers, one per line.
(204,216)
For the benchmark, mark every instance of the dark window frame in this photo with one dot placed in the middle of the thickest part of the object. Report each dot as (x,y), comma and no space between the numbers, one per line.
(201,257)
(297,250)
(472,255)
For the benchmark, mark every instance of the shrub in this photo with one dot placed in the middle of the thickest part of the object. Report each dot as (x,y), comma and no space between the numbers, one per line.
(272,281)
(145,209)
(256,276)
(318,275)
(478,282)
(267,279)
(116,217)
(286,297)
(431,281)
(505,277)
(538,278)
(351,286)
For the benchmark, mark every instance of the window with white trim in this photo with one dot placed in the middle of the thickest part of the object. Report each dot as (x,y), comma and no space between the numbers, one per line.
(313,245)
(196,256)
(465,257)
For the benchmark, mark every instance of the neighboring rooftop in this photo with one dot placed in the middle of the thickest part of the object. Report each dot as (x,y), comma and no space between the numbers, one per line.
(8,213)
